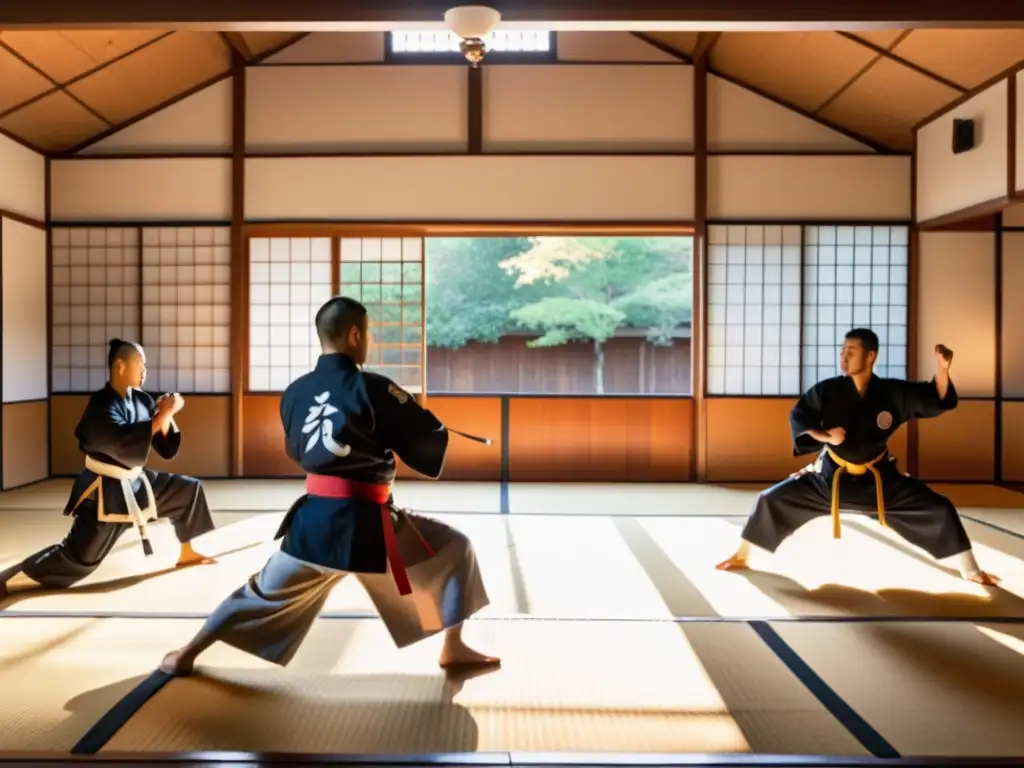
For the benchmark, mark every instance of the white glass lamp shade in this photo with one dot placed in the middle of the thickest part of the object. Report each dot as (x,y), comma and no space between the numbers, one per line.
(471,21)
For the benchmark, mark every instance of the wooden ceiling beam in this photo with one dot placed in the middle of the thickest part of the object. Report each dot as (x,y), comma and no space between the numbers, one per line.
(886,53)
(236,44)
(657,15)
(705,43)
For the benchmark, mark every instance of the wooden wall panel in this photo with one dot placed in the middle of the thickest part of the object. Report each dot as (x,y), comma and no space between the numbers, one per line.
(947,183)
(127,190)
(828,188)
(479,416)
(263,453)
(748,440)
(741,121)
(593,108)
(356,109)
(600,439)
(956,307)
(200,123)
(1018,123)
(959,445)
(1012,340)
(1013,442)
(22,180)
(65,411)
(205,427)
(419,188)
(25,445)
(23,311)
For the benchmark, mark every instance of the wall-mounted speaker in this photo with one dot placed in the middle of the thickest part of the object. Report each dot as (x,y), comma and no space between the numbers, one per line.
(963,136)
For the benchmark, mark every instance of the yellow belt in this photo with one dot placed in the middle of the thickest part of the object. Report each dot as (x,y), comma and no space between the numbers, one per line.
(855,469)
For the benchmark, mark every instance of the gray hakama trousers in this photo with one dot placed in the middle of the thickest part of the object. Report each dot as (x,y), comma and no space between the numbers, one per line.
(271,615)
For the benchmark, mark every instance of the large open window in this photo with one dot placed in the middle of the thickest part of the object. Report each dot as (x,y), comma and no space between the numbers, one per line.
(559,315)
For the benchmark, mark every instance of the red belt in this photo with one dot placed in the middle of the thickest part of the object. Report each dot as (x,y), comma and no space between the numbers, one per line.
(340,488)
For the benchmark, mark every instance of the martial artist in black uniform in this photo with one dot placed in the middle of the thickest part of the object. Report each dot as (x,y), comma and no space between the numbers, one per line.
(344,427)
(114,492)
(850,419)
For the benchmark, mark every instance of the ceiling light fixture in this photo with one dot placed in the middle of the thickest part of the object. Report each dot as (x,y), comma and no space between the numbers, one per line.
(472,23)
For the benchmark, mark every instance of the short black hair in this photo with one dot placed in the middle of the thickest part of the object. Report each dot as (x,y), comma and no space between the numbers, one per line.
(120,350)
(335,318)
(865,336)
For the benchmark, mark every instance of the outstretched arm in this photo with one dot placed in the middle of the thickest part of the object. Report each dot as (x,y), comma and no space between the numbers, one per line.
(404,426)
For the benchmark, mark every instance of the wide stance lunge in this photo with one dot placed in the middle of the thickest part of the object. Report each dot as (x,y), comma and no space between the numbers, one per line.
(344,427)
(114,492)
(850,419)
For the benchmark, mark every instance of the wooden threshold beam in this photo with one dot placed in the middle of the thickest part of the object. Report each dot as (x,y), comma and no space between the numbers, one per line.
(696,15)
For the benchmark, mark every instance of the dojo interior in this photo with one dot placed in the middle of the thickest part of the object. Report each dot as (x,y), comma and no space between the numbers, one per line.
(203,192)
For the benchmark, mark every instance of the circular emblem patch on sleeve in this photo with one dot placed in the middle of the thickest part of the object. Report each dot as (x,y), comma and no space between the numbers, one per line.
(884,420)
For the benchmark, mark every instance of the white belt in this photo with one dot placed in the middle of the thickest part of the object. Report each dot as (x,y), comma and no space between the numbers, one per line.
(136,515)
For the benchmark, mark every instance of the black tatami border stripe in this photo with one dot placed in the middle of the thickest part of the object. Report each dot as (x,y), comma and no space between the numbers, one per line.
(118,716)
(847,716)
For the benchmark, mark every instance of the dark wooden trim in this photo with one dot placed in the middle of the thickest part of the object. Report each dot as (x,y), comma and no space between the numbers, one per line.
(2,356)
(88,73)
(150,156)
(913,305)
(239,260)
(706,42)
(327,228)
(258,60)
(235,43)
(254,15)
(49,321)
(299,154)
(336,268)
(26,401)
(475,110)
(112,223)
(1011,136)
(826,221)
(28,221)
(886,53)
(978,210)
(1005,74)
(998,301)
(698,341)
(69,153)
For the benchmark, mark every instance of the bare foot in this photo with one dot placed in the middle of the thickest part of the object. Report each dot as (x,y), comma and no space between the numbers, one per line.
(734,563)
(984,578)
(463,656)
(177,664)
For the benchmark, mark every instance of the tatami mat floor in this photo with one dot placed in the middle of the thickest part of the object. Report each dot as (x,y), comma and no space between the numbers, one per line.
(617,634)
